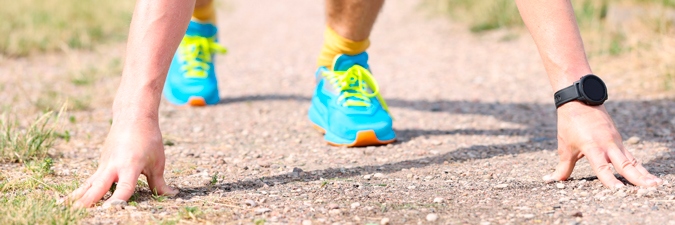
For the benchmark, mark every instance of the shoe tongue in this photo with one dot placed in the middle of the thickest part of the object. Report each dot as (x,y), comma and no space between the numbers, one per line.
(201,29)
(344,62)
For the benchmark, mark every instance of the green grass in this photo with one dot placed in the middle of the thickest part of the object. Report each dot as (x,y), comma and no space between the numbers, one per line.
(31,199)
(30,26)
(31,143)
(35,207)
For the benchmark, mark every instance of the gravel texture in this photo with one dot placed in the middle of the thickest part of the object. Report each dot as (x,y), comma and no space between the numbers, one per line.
(474,116)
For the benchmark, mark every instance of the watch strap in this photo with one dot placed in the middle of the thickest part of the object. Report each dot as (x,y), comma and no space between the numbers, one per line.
(567,94)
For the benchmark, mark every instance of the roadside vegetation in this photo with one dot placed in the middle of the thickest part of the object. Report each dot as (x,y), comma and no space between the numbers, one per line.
(33,26)
(638,31)
(32,197)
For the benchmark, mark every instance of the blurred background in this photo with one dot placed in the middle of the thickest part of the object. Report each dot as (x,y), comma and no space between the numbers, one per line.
(640,34)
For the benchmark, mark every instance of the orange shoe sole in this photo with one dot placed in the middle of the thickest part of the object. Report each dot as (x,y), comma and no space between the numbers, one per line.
(196,101)
(363,138)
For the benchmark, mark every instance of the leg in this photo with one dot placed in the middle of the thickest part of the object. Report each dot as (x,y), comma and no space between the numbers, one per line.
(349,23)
(582,130)
(192,79)
(347,105)
(204,11)
(352,19)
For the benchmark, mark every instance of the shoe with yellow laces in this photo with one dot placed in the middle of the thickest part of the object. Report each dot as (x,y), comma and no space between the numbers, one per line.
(347,106)
(191,79)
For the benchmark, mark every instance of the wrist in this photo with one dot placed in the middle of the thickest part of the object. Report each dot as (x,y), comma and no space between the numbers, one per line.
(137,105)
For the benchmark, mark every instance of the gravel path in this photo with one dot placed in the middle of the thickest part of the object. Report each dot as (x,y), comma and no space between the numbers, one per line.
(474,117)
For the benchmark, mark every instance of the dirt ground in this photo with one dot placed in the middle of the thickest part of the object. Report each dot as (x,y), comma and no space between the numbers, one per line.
(474,116)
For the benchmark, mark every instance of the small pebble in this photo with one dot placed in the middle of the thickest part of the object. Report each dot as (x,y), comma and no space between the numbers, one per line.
(355,205)
(432,217)
(306,222)
(384,221)
(577,214)
(620,194)
(633,140)
(379,175)
(333,206)
(335,212)
(438,200)
(528,216)
(367,177)
(251,203)
(501,186)
(560,185)
(259,211)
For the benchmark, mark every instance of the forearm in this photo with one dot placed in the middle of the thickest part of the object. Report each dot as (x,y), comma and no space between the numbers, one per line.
(554,29)
(156,30)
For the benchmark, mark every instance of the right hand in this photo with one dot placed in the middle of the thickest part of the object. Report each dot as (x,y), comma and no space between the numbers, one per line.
(133,147)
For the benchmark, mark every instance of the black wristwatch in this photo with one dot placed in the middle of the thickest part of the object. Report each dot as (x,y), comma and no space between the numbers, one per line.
(589,89)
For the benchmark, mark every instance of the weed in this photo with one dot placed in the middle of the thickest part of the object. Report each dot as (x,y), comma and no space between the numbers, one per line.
(190,212)
(214,179)
(157,197)
(22,145)
(65,135)
(259,221)
(42,168)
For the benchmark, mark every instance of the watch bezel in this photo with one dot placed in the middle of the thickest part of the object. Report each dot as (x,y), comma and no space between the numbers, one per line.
(585,97)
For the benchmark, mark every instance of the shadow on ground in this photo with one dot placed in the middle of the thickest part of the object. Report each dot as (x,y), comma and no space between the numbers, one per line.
(651,120)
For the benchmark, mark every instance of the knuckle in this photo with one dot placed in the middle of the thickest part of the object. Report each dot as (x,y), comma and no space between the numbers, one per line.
(603,168)
(125,186)
(625,164)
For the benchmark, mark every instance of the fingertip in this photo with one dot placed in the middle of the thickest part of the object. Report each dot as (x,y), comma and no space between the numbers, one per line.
(78,205)
(658,181)
(548,179)
(169,191)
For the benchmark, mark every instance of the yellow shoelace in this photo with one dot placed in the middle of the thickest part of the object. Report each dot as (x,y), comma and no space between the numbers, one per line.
(197,51)
(353,85)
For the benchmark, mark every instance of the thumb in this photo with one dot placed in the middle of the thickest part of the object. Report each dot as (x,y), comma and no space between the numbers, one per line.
(158,186)
(563,170)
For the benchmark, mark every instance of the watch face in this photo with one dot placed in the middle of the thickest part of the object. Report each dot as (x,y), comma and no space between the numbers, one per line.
(594,88)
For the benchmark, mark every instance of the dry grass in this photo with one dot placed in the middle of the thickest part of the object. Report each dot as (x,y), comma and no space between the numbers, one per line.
(26,144)
(30,26)
(615,32)
(32,199)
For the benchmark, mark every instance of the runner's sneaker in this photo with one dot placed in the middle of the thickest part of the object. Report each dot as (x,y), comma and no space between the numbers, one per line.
(191,79)
(347,106)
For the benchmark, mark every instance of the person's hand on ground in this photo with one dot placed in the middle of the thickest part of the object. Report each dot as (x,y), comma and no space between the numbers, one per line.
(589,131)
(131,148)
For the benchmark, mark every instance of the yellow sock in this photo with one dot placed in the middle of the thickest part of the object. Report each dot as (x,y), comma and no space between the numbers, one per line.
(334,44)
(206,13)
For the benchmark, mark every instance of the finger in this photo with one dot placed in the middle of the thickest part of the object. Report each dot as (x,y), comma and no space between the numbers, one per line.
(562,171)
(99,186)
(158,185)
(126,185)
(601,168)
(77,193)
(627,169)
(642,169)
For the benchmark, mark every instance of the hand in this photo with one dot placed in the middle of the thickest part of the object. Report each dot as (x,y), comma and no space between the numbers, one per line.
(133,147)
(589,131)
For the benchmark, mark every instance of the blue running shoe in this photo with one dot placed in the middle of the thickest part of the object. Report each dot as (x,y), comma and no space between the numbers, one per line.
(347,106)
(192,79)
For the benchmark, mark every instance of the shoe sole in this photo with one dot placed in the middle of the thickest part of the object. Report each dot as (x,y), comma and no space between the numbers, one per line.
(363,138)
(196,101)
